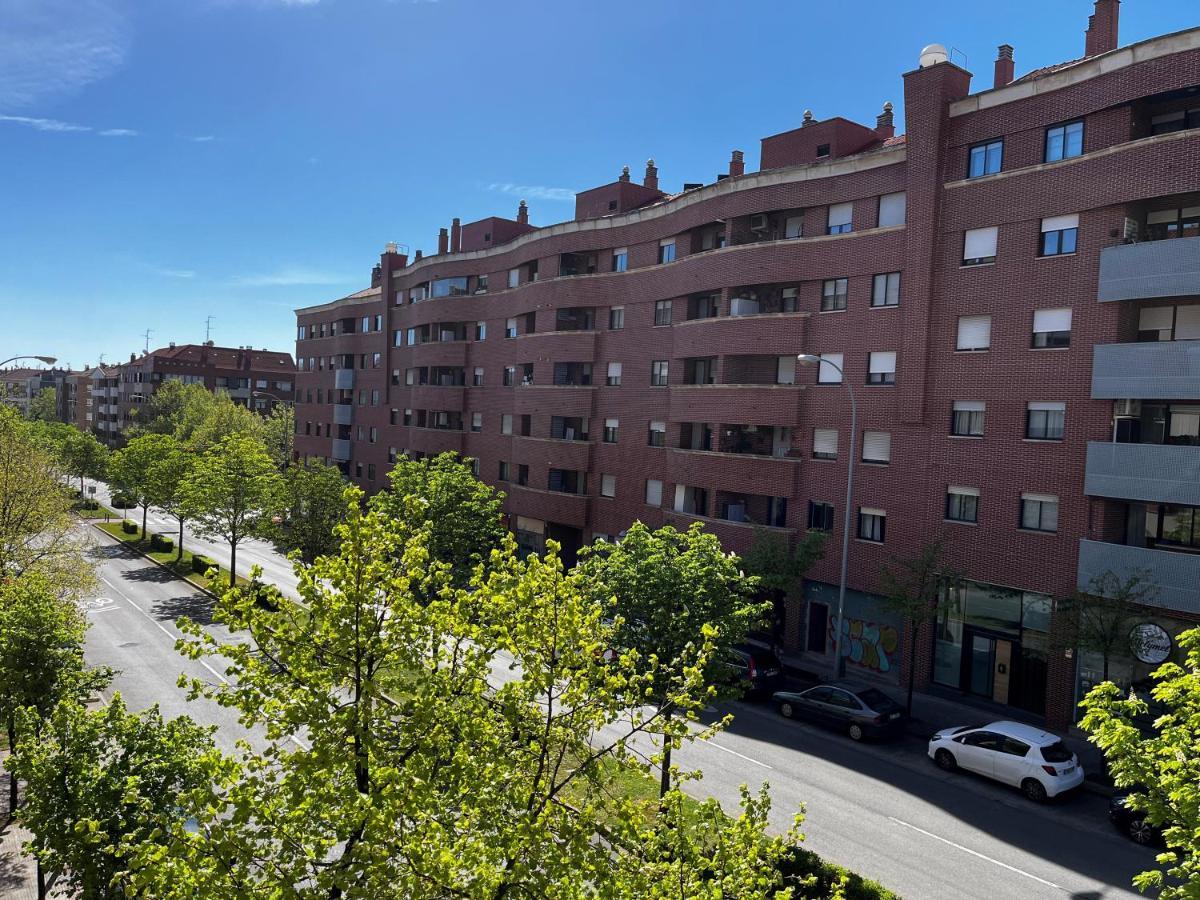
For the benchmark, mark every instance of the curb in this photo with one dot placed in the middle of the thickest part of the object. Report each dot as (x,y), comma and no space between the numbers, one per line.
(146,556)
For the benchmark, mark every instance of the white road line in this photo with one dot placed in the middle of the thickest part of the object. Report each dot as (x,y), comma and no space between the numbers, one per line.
(976,853)
(716,746)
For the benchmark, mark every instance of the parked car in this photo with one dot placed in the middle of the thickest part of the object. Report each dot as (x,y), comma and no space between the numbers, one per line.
(1035,761)
(757,668)
(857,709)
(1131,821)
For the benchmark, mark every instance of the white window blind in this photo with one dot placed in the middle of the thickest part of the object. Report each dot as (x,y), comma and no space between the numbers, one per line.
(608,485)
(1162,217)
(969,406)
(1155,318)
(892,209)
(654,492)
(868,511)
(680,497)
(825,441)
(980,243)
(1040,498)
(666,242)
(883,362)
(477,420)
(974,332)
(514,277)
(1187,323)
(1052,320)
(785,370)
(841,214)
(877,446)
(506,423)
(1060,223)
(827,374)
(1048,407)
(612,423)
(658,426)
(533,526)
(614,370)
(793,226)
(965,491)
(620,251)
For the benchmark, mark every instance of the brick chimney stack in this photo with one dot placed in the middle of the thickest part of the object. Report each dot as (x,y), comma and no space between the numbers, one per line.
(651,180)
(1102,28)
(443,241)
(456,235)
(885,123)
(1005,67)
(624,174)
(737,164)
(523,213)
(417,255)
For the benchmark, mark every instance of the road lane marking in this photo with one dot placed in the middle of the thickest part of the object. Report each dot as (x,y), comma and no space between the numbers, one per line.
(714,744)
(976,853)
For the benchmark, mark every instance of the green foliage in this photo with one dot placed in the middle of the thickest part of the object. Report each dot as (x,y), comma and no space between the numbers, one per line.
(129,527)
(315,507)
(121,501)
(814,877)
(194,416)
(778,565)
(44,406)
(84,456)
(161,542)
(1100,618)
(278,434)
(165,478)
(202,564)
(1164,762)
(132,468)
(463,513)
(103,785)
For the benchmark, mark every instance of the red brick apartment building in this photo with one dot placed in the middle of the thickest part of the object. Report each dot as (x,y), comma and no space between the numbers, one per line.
(1012,288)
(257,379)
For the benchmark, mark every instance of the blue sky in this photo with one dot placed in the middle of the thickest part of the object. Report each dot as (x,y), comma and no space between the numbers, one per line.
(166,160)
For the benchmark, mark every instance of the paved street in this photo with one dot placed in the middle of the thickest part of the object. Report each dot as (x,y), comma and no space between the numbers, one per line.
(882,810)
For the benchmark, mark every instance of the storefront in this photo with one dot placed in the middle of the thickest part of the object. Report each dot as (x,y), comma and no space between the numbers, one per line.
(1153,640)
(994,642)
(870,634)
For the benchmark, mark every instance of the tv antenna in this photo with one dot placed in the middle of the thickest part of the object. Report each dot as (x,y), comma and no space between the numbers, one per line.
(208,328)
(146,335)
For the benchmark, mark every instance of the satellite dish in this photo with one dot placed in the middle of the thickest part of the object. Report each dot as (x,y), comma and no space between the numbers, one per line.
(934,54)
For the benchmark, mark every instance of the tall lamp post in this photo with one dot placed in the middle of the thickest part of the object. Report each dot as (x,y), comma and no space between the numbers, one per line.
(809,359)
(48,360)
(292,430)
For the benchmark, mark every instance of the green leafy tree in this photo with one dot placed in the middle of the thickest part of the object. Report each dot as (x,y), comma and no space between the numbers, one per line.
(170,408)
(780,567)
(670,587)
(44,406)
(278,434)
(911,589)
(166,477)
(1162,766)
(208,424)
(464,514)
(230,491)
(85,457)
(132,469)
(1100,619)
(103,785)
(464,746)
(315,507)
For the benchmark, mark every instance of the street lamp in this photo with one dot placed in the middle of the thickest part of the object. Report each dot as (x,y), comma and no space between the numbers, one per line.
(809,359)
(48,360)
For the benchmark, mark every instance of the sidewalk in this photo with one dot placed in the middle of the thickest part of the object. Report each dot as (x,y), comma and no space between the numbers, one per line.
(18,879)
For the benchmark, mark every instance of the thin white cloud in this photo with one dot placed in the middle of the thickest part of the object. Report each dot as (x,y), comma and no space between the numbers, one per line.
(117,132)
(44,124)
(289,277)
(200,138)
(536,191)
(175,273)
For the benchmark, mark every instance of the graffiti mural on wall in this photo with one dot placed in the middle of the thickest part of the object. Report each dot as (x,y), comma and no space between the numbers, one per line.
(868,644)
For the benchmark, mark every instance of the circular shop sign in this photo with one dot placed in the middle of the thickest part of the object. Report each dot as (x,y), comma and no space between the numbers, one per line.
(1150,643)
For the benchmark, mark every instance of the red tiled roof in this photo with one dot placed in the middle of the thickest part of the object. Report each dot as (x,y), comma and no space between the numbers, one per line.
(1047,70)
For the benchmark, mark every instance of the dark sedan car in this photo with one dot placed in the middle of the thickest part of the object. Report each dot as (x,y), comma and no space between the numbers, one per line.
(756,668)
(1132,822)
(857,709)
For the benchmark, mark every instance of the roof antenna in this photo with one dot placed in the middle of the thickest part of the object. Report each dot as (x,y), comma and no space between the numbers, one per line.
(208,327)
(146,335)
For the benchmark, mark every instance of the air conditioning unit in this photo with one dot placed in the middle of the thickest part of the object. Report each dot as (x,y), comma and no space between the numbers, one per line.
(743,306)
(759,222)
(1130,230)
(1127,408)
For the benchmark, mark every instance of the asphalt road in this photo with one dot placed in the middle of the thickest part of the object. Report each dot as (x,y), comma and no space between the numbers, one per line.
(883,810)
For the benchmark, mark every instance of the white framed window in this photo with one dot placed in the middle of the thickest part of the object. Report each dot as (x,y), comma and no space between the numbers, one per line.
(608,485)
(974,333)
(1059,235)
(966,419)
(785,369)
(1045,421)
(979,246)
(662,312)
(825,442)
(666,250)
(881,368)
(885,289)
(510,328)
(477,421)
(659,372)
(962,504)
(892,208)
(872,524)
(1051,328)
(830,370)
(654,489)
(613,378)
(616,318)
(481,331)
(1039,512)
(793,227)
(841,218)
(877,447)
(477,378)
(657,435)
(833,294)
(506,423)
(514,277)
(1156,323)
(620,259)
(611,430)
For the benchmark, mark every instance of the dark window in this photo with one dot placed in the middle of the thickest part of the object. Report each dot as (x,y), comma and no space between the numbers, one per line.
(885,291)
(962,507)
(1039,513)
(871,525)
(658,373)
(662,312)
(1064,141)
(1044,424)
(1056,753)
(986,159)
(1059,243)
(1044,340)
(822,150)
(1013,747)
(833,294)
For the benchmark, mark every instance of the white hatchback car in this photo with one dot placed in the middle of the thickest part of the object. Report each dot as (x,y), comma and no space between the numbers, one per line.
(1035,761)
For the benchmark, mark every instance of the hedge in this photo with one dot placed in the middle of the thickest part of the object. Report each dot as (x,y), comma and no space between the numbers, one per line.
(121,501)
(801,863)
(202,564)
(129,527)
(161,542)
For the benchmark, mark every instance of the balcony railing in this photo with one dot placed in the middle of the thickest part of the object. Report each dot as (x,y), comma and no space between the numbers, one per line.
(1155,473)
(1174,576)
(1150,269)
(1164,370)
(340,450)
(343,379)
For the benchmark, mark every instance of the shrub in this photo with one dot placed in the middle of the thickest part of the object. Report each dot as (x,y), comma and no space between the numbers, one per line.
(202,564)
(161,542)
(801,863)
(129,527)
(121,501)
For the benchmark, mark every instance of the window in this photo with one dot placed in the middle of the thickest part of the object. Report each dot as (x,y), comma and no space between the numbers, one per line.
(841,216)
(510,376)
(654,492)
(791,300)
(986,159)
(822,151)
(657,435)
(481,284)
(662,312)
(1039,512)
(522,474)
(1064,141)
(793,227)
(301,332)
(877,447)
(872,523)
(477,421)
(408,417)
(885,289)
(506,423)
(785,370)
(1045,421)
(481,331)
(373,435)
(375,396)
(411,337)
(979,246)
(666,250)
(613,378)
(611,429)
(391,454)
(376,358)
(514,277)
(658,373)
(830,370)
(477,377)
(608,485)
(892,208)
(1059,234)
(397,338)
(510,328)
(820,516)
(616,318)
(1169,323)
(366,324)
(962,504)
(1172,223)
(881,368)
(620,260)
(967,418)
(974,333)
(370,471)
(825,441)
(503,474)
(833,294)
(1051,328)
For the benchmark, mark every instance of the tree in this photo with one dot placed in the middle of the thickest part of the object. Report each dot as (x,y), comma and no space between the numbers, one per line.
(780,567)
(397,765)
(669,588)
(229,491)
(278,434)
(131,469)
(1161,766)
(315,507)
(84,456)
(463,513)
(172,405)
(44,406)
(206,425)
(166,477)
(912,587)
(102,785)
(1101,618)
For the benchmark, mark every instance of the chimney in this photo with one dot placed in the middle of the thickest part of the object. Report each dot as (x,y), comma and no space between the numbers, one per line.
(651,180)
(417,256)
(737,163)
(885,126)
(523,213)
(376,275)
(132,357)
(1004,66)
(1102,28)
(443,241)
(808,119)
(455,235)
(624,174)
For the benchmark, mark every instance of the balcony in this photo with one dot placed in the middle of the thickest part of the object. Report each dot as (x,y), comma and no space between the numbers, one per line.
(554,399)
(548,345)
(1153,472)
(340,450)
(1163,370)
(432,441)
(1143,271)
(766,333)
(343,379)
(739,472)
(1173,575)
(440,353)
(343,413)
(433,396)
(735,537)
(549,506)
(737,404)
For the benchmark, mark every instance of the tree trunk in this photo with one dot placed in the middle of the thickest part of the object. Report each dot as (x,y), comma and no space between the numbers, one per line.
(233,563)
(664,784)
(145,510)
(911,662)
(41,879)
(179,555)
(1106,665)
(12,779)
